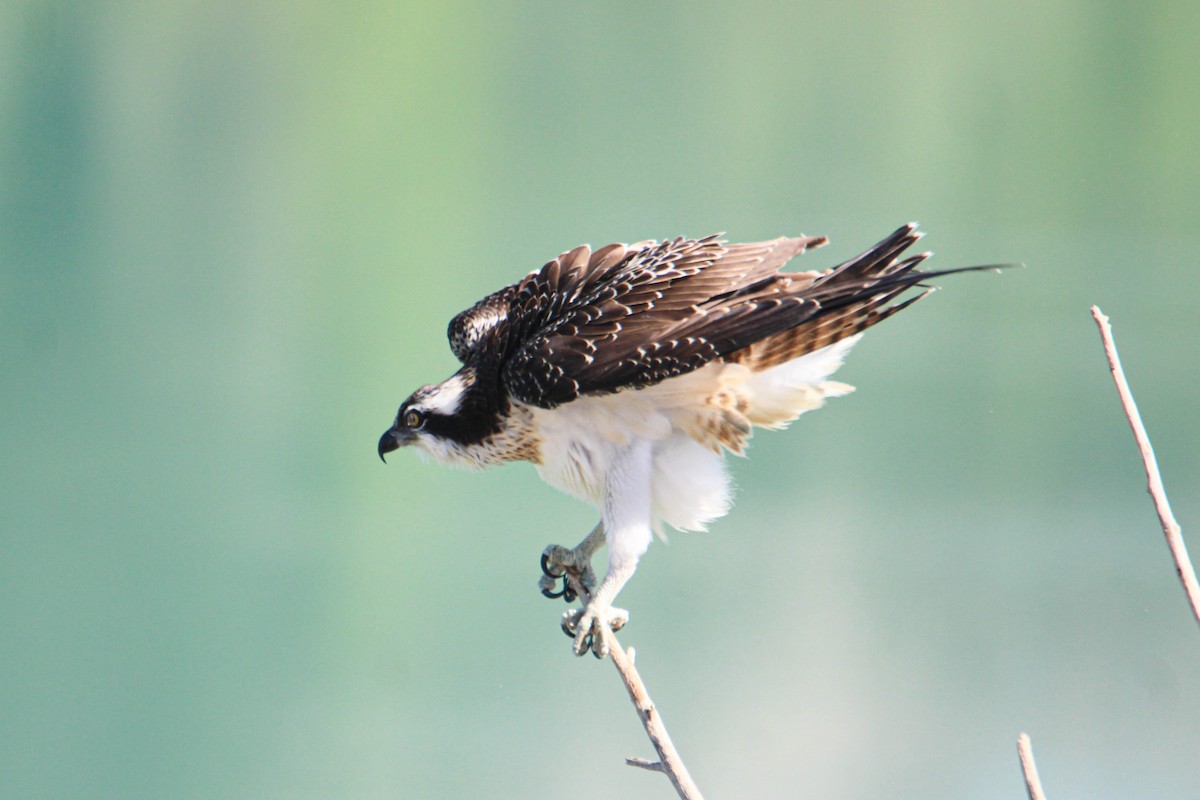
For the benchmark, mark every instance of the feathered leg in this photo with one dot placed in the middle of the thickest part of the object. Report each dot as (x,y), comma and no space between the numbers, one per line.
(626,520)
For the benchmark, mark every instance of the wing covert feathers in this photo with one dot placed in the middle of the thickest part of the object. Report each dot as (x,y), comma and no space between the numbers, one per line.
(628,316)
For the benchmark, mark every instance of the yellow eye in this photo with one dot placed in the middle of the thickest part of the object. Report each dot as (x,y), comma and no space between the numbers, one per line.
(413,419)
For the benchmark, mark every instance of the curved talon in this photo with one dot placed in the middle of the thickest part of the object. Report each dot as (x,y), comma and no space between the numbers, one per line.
(546,568)
(548,583)
(550,577)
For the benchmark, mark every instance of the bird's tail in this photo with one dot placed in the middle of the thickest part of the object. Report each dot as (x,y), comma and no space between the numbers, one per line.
(852,296)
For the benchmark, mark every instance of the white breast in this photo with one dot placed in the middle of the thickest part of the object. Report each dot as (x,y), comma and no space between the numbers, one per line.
(687,419)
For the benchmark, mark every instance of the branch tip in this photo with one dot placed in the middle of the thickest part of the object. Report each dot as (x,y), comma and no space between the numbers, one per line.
(1033,784)
(1154,484)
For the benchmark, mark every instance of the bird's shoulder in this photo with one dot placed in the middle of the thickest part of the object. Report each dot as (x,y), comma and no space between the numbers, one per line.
(504,319)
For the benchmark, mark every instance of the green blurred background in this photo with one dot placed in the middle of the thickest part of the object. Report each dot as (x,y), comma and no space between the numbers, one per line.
(231,235)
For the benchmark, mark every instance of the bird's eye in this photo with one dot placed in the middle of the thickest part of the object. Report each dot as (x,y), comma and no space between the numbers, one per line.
(413,419)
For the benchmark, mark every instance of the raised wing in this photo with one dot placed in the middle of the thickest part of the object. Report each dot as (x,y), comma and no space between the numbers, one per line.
(627,316)
(646,312)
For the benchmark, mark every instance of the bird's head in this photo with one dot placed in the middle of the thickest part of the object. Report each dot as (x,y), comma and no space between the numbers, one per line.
(440,419)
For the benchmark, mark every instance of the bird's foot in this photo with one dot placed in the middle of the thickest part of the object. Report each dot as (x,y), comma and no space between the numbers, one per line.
(557,563)
(583,625)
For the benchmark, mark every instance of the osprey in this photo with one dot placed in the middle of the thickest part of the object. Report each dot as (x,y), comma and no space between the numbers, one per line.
(624,374)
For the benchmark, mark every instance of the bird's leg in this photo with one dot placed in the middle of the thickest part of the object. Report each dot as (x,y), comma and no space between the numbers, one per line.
(557,561)
(626,515)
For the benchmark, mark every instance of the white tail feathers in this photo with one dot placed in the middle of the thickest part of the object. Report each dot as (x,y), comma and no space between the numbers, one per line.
(778,395)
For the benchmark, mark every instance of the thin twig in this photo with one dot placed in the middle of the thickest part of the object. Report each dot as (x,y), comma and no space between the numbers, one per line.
(669,762)
(1033,784)
(644,763)
(1183,565)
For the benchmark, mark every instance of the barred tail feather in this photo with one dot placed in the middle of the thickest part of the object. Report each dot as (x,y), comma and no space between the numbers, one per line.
(851,297)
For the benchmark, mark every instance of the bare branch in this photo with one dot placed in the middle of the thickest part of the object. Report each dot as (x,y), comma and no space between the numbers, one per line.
(1033,784)
(669,762)
(1183,565)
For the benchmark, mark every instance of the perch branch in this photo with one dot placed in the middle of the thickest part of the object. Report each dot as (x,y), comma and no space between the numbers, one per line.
(669,761)
(1033,784)
(1183,566)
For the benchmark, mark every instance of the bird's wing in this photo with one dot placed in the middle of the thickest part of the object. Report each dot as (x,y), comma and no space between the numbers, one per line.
(628,316)
(633,315)
(479,325)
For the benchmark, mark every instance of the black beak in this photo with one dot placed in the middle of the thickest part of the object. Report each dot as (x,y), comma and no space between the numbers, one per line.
(387,443)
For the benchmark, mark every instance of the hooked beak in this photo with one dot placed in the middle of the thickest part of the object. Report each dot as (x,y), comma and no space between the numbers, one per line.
(391,440)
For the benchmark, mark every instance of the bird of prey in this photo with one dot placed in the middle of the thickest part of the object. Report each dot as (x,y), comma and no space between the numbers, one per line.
(625,373)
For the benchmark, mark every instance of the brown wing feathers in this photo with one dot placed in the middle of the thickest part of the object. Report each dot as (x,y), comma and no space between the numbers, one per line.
(642,320)
(629,316)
